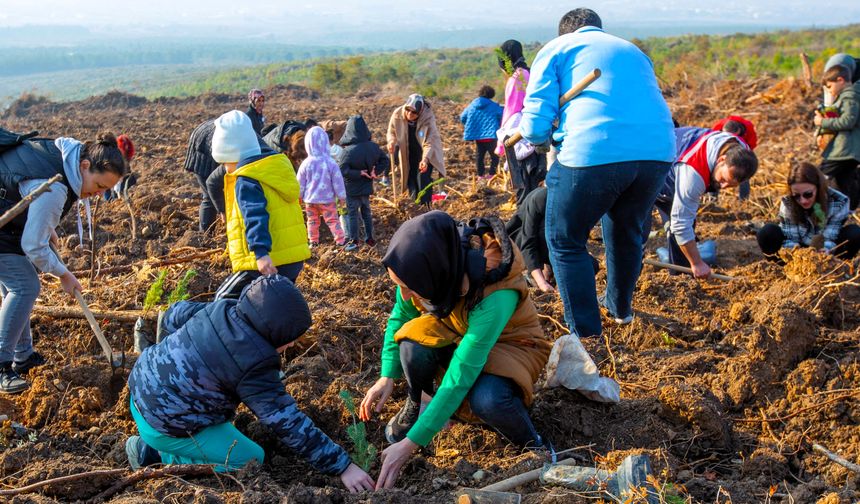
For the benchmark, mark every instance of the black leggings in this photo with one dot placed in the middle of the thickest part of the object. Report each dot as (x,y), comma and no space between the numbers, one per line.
(843,176)
(482,149)
(770,238)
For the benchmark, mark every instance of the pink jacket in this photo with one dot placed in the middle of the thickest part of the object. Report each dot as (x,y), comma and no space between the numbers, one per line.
(515,93)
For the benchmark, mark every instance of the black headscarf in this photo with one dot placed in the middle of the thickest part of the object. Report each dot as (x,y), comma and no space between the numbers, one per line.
(514,52)
(427,255)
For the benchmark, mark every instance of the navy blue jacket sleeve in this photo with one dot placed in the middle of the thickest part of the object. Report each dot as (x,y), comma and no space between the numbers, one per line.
(264,394)
(178,314)
(252,204)
(383,163)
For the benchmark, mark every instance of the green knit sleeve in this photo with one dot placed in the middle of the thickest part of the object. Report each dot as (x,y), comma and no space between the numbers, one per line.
(401,313)
(486,323)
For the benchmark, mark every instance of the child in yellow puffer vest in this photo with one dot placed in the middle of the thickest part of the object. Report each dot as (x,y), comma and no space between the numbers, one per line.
(266,231)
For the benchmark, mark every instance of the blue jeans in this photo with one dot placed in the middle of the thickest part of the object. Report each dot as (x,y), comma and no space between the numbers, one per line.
(356,205)
(494,399)
(19,286)
(620,195)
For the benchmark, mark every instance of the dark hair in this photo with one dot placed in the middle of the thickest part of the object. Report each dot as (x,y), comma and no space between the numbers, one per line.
(310,122)
(742,161)
(735,128)
(105,156)
(510,56)
(835,72)
(576,19)
(806,173)
(487,92)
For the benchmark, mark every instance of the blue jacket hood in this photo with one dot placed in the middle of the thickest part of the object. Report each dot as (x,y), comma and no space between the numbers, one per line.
(275,308)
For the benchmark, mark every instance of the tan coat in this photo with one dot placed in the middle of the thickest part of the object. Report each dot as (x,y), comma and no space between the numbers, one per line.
(398,131)
(522,350)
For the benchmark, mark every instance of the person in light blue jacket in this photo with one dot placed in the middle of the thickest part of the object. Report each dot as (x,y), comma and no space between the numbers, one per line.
(615,145)
(481,119)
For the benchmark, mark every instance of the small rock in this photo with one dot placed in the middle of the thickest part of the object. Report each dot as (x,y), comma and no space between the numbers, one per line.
(479,475)
(685,475)
(146,232)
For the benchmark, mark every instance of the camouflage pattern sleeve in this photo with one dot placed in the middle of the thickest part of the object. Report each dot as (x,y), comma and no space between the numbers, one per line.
(264,394)
(178,314)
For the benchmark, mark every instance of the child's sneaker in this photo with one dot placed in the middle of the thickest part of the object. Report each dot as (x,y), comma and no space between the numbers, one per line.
(140,454)
(10,382)
(370,242)
(34,360)
(349,247)
(384,181)
(400,423)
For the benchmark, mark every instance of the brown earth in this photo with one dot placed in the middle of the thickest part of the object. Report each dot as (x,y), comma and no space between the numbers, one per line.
(724,385)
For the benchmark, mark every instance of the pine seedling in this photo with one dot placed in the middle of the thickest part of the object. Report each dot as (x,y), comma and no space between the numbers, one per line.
(180,292)
(155,291)
(364,452)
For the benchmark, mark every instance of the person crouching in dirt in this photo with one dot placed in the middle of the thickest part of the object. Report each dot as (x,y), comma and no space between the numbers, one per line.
(527,228)
(716,160)
(266,231)
(811,215)
(412,133)
(184,391)
(361,162)
(462,306)
(87,169)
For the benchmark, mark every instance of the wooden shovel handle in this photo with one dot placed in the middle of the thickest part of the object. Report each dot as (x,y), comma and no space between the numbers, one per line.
(683,269)
(566,97)
(95,327)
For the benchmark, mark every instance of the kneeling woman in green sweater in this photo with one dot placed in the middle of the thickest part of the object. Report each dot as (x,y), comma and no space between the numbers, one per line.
(463,313)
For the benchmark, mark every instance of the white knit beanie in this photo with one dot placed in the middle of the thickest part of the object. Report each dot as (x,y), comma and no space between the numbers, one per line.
(234,138)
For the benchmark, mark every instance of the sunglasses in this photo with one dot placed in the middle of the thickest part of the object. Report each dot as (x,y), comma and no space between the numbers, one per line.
(803,196)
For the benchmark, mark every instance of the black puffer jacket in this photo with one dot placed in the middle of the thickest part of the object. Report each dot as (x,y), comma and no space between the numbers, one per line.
(360,153)
(275,137)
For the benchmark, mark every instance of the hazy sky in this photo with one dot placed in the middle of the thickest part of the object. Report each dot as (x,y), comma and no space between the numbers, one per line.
(432,14)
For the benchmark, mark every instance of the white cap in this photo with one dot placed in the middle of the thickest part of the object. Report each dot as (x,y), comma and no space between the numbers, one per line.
(234,138)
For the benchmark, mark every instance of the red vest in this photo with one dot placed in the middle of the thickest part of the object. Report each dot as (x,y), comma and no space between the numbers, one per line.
(697,157)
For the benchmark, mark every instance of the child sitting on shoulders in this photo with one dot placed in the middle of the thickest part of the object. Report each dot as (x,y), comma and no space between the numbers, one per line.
(320,182)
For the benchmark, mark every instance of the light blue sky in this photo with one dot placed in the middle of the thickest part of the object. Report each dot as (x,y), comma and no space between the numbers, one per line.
(434,14)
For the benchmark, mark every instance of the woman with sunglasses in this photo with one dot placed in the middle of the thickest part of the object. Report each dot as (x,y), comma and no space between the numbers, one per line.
(812,215)
(413,134)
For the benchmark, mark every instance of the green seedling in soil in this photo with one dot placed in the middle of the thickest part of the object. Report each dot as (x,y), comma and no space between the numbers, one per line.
(364,453)
(180,293)
(667,340)
(427,188)
(155,291)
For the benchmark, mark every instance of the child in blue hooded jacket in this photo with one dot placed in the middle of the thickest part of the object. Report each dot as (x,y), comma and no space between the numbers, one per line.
(185,390)
(480,121)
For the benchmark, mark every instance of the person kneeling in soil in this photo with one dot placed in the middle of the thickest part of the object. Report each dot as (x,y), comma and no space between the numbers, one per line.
(266,231)
(87,169)
(527,228)
(185,390)
(812,215)
(715,161)
(463,307)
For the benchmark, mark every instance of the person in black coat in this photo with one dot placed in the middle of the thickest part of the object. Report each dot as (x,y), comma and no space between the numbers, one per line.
(361,162)
(256,102)
(527,228)
(184,391)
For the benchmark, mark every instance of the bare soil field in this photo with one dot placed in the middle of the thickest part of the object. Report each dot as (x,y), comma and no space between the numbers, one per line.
(724,385)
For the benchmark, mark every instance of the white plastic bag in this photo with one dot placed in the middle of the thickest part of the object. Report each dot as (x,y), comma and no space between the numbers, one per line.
(571,367)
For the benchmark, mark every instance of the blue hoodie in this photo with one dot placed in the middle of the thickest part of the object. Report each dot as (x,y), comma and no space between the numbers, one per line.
(481,119)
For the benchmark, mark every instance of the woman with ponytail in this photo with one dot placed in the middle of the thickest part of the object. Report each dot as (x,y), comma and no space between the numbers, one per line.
(87,169)
(462,318)
(811,215)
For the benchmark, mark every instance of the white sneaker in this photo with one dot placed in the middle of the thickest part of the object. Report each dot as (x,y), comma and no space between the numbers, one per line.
(624,321)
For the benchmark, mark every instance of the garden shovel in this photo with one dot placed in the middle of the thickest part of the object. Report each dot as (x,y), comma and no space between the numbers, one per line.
(116,360)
